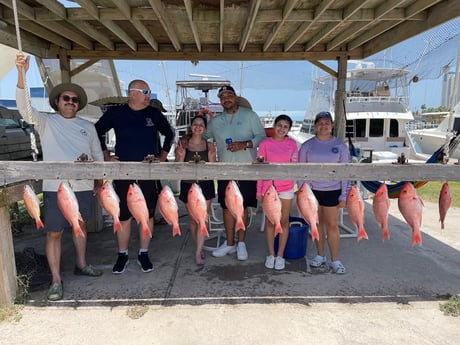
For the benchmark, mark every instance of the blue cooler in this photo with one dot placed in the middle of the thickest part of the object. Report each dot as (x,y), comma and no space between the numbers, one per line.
(296,246)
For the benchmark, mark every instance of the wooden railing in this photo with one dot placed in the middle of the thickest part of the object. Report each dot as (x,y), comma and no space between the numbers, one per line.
(30,172)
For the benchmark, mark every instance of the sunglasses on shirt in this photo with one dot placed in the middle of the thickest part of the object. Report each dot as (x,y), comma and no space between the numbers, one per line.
(143,91)
(67,98)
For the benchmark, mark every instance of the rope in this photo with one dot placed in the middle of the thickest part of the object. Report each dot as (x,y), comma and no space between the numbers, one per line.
(33,141)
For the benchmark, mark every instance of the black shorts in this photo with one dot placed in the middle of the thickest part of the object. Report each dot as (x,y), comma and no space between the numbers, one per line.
(207,188)
(248,190)
(328,198)
(149,189)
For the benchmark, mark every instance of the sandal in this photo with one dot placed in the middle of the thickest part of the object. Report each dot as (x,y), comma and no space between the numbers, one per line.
(318,261)
(55,291)
(337,267)
(89,271)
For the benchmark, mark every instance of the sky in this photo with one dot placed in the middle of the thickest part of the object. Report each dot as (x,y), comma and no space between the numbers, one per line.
(275,86)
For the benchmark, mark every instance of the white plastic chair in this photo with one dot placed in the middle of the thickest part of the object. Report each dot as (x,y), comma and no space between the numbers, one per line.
(216,227)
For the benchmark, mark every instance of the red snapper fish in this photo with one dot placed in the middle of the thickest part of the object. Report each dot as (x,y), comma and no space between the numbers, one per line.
(445,200)
(271,205)
(307,205)
(234,203)
(381,207)
(411,206)
(109,201)
(138,208)
(198,208)
(68,204)
(355,210)
(168,208)
(32,205)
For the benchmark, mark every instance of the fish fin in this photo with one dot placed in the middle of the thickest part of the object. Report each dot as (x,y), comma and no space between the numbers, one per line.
(176,230)
(278,229)
(204,230)
(239,225)
(416,237)
(314,232)
(39,224)
(78,231)
(116,225)
(146,230)
(385,234)
(362,233)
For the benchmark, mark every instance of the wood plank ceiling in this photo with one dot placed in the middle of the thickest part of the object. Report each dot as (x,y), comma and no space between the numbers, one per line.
(218,29)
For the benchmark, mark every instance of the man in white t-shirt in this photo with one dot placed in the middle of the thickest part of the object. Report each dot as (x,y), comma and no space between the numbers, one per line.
(63,137)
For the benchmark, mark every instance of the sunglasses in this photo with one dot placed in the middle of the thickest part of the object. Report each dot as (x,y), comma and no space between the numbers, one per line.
(143,91)
(67,98)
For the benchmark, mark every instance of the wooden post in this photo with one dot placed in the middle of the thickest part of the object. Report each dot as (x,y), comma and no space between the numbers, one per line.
(95,223)
(8,280)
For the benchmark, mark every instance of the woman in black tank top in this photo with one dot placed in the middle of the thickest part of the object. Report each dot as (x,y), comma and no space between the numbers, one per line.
(189,148)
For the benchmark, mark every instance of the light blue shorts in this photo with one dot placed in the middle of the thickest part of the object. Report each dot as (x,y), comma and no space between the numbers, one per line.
(287,195)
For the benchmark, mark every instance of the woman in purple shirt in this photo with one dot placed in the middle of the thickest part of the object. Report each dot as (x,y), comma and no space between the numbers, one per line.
(331,195)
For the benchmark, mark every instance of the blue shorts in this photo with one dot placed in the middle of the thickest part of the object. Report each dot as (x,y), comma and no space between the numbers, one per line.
(327,198)
(248,190)
(207,187)
(54,220)
(149,189)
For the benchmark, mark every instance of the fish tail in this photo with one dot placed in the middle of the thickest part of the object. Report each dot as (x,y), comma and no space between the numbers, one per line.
(204,229)
(278,229)
(116,225)
(39,223)
(78,231)
(240,224)
(176,230)
(314,232)
(385,233)
(416,237)
(362,233)
(146,230)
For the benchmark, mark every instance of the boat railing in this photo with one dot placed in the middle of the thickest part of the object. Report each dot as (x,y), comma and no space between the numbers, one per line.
(379,99)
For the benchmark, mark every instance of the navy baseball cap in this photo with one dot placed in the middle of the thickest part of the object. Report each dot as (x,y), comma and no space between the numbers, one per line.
(324,115)
(226,88)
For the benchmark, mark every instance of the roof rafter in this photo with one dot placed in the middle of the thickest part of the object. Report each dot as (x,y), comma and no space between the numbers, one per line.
(254,10)
(319,10)
(162,15)
(287,9)
(189,9)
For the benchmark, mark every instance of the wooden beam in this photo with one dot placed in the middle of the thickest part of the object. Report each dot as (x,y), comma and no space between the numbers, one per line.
(348,12)
(319,10)
(159,9)
(20,170)
(251,18)
(8,283)
(196,36)
(287,10)
(355,29)
(82,67)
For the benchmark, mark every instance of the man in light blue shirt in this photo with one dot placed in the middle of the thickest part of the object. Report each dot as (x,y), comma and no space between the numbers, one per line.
(237,132)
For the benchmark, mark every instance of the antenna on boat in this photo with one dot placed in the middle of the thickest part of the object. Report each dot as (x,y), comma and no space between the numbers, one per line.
(204,76)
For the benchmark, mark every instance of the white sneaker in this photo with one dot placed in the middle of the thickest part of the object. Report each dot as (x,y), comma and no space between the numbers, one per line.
(279,263)
(224,250)
(270,261)
(241,252)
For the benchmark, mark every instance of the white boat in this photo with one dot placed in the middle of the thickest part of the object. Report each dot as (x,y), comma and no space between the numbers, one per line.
(376,108)
(424,142)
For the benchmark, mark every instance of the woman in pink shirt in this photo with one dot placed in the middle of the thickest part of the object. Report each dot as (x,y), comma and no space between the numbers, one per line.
(278,149)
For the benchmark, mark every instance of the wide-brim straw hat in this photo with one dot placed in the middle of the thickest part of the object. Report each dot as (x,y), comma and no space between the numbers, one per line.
(77,89)
(243,102)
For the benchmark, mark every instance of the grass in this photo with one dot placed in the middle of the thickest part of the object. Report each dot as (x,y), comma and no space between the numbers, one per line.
(451,307)
(11,313)
(430,192)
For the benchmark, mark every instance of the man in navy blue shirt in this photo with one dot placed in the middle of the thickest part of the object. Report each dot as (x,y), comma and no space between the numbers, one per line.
(137,126)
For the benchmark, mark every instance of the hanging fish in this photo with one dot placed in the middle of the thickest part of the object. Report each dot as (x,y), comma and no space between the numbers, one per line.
(411,207)
(381,208)
(167,205)
(445,201)
(32,205)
